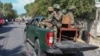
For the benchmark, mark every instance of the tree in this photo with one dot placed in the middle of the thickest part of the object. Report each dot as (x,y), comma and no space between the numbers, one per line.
(7,10)
(85,8)
(1,7)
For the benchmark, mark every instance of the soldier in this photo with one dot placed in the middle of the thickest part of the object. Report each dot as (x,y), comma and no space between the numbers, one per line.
(57,15)
(56,20)
(54,15)
(64,11)
(71,14)
(47,22)
(50,13)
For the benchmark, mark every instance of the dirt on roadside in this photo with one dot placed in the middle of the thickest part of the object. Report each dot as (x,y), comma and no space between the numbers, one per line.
(96,41)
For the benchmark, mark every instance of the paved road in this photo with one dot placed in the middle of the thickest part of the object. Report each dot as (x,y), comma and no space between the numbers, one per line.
(12,41)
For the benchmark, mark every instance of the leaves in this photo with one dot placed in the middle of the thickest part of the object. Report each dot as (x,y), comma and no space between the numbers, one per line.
(7,10)
(85,8)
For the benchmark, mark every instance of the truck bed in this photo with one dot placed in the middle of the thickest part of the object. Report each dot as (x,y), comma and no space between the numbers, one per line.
(71,46)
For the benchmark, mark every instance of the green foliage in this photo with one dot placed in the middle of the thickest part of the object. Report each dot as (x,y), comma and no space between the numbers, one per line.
(7,10)
(84,8)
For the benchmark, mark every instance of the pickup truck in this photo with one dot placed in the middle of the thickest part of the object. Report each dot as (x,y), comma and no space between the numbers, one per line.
(43,40)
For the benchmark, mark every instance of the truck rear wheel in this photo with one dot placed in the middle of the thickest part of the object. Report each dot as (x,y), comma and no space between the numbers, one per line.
(38,50)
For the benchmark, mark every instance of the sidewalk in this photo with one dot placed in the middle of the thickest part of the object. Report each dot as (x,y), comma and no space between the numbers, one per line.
(96,41)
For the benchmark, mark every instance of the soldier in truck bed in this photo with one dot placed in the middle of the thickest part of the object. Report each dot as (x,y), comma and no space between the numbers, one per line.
(71,14)
(47,22)
(57,16)
(54,16)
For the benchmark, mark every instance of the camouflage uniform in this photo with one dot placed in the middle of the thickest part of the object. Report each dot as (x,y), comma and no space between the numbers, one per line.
(72,17)
(47,22)
(57,15)
(50,13)
(70,13)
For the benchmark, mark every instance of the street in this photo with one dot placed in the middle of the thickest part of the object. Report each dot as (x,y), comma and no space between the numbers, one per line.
(12,41)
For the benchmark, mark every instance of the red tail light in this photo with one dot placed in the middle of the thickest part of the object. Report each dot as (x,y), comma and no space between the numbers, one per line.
(49,38)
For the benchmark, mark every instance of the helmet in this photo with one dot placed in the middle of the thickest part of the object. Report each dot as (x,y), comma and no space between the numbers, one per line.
(50,9)
(57,6)
(72,7)
(64,11)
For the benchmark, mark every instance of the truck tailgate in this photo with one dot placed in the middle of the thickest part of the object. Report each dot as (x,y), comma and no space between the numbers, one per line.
(70,46)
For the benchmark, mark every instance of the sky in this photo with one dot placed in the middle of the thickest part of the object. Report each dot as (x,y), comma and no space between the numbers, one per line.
(18,5)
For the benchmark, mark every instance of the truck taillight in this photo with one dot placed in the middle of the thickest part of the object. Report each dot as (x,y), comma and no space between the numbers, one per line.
(49,39)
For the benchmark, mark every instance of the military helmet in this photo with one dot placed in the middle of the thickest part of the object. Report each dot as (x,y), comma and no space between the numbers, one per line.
(50,9)
(64,11)
(72,7)
(57,6)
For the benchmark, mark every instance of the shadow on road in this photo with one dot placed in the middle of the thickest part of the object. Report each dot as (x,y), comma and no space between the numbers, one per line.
(16,50)
(2,37)
(1,46)
(6,29)
(77,54)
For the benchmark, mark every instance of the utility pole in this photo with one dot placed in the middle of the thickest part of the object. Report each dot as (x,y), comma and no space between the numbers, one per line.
(96,21)
(97,5)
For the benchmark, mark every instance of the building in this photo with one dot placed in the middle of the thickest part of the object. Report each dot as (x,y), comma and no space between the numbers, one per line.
(97,5)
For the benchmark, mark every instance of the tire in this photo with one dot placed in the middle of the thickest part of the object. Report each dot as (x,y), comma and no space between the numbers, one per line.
(38,50)
(85,36)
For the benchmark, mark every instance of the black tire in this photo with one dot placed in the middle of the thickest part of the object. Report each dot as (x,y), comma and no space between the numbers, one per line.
(85,36)
(38,50)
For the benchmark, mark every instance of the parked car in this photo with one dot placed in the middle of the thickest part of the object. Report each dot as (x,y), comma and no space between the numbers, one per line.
(2,21)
